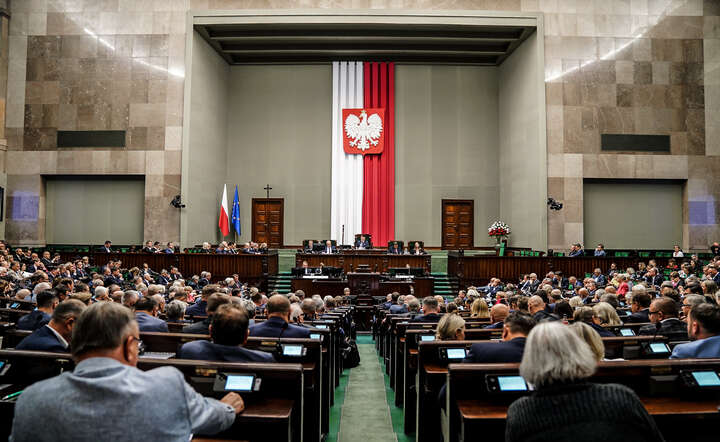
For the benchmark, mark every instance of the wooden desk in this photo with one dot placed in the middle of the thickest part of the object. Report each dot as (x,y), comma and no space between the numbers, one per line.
(349,262)
(334,287)
(478,269)
(473,412)
(250,268)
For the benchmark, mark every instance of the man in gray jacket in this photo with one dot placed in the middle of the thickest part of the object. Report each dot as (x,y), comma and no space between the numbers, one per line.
(107,398)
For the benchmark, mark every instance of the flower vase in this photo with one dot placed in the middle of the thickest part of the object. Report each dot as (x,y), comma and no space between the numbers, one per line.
(498,242)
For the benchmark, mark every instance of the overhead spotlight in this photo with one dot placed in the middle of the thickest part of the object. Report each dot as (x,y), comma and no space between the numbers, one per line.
(176,202)
(554,205)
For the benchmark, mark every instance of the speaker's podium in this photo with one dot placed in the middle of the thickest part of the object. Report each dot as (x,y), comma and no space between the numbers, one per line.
(364,284)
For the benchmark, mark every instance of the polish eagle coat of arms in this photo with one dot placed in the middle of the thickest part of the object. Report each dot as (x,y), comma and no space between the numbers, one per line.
(363,130)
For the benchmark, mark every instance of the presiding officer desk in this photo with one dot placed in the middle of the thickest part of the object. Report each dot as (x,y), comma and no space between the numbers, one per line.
(681,412)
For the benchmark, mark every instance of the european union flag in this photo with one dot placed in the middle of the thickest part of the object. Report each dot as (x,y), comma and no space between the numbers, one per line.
(235,218)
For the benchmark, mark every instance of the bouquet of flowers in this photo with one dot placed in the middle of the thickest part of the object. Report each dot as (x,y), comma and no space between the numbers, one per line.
(498,228)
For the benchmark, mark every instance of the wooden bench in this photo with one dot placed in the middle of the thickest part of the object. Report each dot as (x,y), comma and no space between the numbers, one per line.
(273,413)
(474,412)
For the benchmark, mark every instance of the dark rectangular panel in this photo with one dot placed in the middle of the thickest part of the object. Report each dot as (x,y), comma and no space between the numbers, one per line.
(91,138)
(642,143)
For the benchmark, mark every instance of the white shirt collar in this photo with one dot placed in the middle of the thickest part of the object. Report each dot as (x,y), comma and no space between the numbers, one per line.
(58,335)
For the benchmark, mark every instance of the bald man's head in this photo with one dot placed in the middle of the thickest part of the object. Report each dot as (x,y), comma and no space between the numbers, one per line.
(535,304)
(499,312)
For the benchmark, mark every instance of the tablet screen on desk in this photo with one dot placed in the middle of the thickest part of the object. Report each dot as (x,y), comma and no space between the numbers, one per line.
(659,347)
(239,382)
(512,383)
(15,305)
(706,378)
(425,338)
(292,350)
(627,332)
(314,335)
(456,353)
(323,326)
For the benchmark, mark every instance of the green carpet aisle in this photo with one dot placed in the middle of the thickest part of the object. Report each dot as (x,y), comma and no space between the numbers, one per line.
(362,407)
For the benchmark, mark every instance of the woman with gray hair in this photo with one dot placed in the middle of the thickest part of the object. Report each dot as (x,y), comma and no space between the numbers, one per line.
(557,363)
(175,312)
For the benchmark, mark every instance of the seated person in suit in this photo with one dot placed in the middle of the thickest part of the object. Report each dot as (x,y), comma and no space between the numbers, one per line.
(430,310)
(599,250)
(310,246)
(558,363)
(663,314)
(498,313)
(704,331)
(417,250)
(639,305)
(587,315)
(599,278)
(576,250)
(175,312)
(389,302)
(329,248)
(200,306)
(146,311)
(55,335)
(46,302)
(107,247)
(130,298)
(105,380)
(277,323)
(516,328)
(450,328)
(148,248)
(395,249)
(400,307)
(362,243)
(309,309)
(229,333)
(170,248)
(688,302)
(536,307)
(203,327)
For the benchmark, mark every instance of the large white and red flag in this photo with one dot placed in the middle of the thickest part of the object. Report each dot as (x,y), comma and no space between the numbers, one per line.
(224,221)
(363,151)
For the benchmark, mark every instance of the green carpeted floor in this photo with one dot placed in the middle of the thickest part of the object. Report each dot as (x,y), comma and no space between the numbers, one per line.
(361,411)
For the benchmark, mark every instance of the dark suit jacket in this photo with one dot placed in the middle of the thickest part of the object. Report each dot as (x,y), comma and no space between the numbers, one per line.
(640,316)
(275,327)
(33,320)
(333,248)
(716,278)
(393,251)
(497,352)
(308,250)
(398,309)
(42,339)
(198,328)
(543,315)
(672,328)
(110,280)
(430,317)
(496,326)
(148,323)
(209,351)
(603,332)
(364,245)
(654,281)
(197,309)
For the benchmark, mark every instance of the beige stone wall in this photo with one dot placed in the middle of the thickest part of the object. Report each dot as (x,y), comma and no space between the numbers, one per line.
(620,66)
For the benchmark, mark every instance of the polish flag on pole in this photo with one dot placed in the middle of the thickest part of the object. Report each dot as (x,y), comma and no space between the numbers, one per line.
(224,222)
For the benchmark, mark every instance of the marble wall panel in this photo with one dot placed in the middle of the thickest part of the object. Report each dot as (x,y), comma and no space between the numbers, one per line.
(620,66)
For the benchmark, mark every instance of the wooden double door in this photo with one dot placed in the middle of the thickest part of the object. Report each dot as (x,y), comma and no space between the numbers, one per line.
(458,224)
(267,221)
